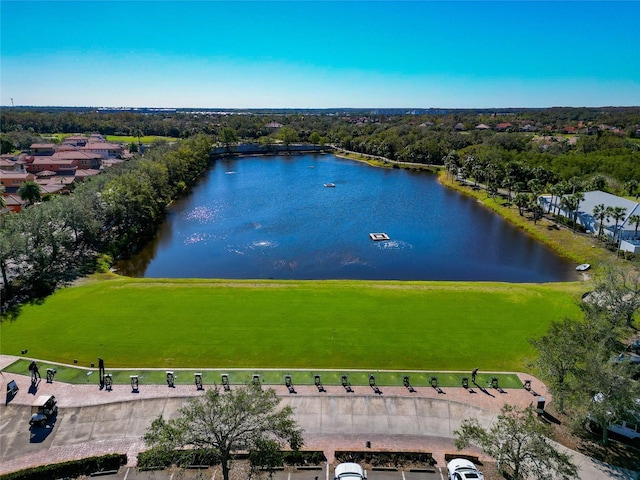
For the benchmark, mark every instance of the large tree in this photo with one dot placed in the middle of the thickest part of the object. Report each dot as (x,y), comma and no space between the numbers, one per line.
(608,394)
(615,296)
(245,418)
(556,357)
(228,137)
(288,136)
(518,439)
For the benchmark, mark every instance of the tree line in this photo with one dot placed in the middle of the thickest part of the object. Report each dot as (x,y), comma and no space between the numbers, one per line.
(104,219)
(607,143)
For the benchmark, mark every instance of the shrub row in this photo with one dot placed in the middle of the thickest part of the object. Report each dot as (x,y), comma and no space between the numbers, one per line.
(75,468)
(183,458)
(386,459)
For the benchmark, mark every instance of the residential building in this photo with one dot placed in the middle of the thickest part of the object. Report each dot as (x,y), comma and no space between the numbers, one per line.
(11,181)
(625,232)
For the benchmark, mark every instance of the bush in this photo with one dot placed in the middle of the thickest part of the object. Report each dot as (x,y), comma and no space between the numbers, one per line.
(570,223)
(74,468)
(300,458)
(103,263)
(386,459)
(183,458)
(155,458)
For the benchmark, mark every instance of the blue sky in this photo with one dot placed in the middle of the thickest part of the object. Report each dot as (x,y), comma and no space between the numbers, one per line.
(306,54)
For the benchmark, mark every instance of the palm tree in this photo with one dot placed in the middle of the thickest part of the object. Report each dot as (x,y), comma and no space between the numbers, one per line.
(521,200)
(575,184)
(631,187)
(635,220)
(601,213)
(617,213)
(556,191)
(30,192)
(570,204)
(576,199)
(452,163)
(565,204)
(534,207)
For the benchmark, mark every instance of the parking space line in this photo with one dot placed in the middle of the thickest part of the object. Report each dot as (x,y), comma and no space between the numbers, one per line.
(126,474)
(403,475)
(327,470)
(441,476)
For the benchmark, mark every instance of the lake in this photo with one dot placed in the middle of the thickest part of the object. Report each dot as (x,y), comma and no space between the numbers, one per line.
(273,217)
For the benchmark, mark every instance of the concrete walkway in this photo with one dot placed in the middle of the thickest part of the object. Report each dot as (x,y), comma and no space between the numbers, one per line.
(92,422)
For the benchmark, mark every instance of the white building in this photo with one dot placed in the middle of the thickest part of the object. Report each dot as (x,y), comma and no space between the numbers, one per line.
(626,229)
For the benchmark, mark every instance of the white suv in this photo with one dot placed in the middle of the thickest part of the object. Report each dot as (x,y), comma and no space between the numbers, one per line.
(349,471)
(462,469)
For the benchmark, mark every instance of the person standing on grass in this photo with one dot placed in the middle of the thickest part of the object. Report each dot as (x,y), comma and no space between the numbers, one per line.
(33,368)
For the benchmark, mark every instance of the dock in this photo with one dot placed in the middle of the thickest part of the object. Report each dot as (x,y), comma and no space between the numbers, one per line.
(377,237)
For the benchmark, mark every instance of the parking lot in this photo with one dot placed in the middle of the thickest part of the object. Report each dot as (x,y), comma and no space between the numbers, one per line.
(320,474)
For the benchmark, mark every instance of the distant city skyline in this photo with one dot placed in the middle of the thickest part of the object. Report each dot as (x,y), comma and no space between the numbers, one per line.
(331,54)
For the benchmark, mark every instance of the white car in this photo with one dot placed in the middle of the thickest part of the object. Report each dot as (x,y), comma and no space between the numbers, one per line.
(349,471)
(462,469)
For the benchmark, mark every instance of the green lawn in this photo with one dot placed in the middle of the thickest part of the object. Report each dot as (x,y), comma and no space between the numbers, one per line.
(146,139)
(291,324)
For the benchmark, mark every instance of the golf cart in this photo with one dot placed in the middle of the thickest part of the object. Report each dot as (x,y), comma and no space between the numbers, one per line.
(44,408)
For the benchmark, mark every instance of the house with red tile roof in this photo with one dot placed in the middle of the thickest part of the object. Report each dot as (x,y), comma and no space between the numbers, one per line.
(81,159)
(11,165)
(503,127)
(82,174)
(11,181)
(53,188)
(42,148)
(75,140)
(104,149)
(59,166)
(14,202)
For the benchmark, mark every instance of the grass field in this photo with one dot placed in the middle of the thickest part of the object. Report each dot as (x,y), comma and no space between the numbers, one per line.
(291,324)
(146,139)
(114,138)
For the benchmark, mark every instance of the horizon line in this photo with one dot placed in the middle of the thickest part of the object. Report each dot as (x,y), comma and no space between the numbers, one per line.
(315,108)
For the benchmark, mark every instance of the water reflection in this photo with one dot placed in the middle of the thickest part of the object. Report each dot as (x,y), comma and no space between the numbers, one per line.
(272,217)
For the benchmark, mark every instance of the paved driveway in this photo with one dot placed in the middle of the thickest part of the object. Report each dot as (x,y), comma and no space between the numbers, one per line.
(93,422)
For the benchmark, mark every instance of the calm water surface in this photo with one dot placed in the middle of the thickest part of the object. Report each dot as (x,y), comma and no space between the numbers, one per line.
(272,217)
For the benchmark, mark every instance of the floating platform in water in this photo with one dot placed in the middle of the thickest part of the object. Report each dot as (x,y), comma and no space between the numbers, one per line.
(376,237)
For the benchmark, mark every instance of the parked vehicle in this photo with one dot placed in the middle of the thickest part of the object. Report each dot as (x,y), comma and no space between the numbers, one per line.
(44,409)
(352,471)
(463,469)
(629,430)
(635,346)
